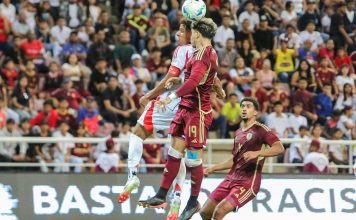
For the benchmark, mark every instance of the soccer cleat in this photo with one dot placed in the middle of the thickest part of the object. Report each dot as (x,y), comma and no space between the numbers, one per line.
(174,210)
(189,212)
(132,184)
(153,202)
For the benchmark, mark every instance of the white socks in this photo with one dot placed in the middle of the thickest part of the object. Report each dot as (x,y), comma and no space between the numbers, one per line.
(179,180)
(135,154)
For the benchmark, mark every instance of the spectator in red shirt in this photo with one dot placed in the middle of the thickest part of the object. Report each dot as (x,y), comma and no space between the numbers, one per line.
(328,52)
(73,96)
(156,65)
(325,74)
(258,93)
(67,115)
(10,73)
(343,58)
(305,97)
(139,93)
(5,28)
(48,114)
(53,78)
(152,155)
(32,48)
(277,94)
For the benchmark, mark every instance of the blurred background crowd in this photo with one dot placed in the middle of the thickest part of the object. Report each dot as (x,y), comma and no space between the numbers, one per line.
(78,68)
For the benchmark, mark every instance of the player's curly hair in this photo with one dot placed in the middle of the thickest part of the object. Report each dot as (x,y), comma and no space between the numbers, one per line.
(206,27)
(253,100)
(187,24)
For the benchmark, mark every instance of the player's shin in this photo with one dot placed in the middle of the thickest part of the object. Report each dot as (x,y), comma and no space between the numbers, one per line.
(135,154)
(197,175)
(170,171)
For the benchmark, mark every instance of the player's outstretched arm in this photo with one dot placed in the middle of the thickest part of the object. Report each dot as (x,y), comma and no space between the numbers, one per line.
(158,90)
(276,149)
(218,167)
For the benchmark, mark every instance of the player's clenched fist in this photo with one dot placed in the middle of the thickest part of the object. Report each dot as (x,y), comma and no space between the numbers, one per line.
(250,155)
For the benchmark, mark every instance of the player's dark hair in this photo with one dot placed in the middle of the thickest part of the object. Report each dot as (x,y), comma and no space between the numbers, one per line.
(187,24)
(253,100)
(206,27)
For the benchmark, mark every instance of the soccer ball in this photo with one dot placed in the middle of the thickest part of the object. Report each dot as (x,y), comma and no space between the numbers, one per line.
(194,10)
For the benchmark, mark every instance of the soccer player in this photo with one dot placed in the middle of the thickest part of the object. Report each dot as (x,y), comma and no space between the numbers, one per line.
(243,181)
(151,119)
(193,119)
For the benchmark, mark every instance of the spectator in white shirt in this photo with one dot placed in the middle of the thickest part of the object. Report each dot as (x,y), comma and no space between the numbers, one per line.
(346,98)
(63,150)
(250,15)
(223,33)
(108,161)
(8,10)
(326,20)
(310,34)
(292,37)
(296,120)
(289,16)
(298,150)
(278,121)
(346,124)
(60,33)
(338,152)
(8,149)
(315,162)
(20,28)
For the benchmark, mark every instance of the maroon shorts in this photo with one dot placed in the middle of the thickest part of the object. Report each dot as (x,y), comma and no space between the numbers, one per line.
(192,125)
(237,193)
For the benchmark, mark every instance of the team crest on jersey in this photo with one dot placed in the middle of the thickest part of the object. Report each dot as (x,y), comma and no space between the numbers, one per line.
(249,136)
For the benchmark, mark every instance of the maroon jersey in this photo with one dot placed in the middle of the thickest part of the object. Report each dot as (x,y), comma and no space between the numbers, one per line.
(253,139)
(199,79)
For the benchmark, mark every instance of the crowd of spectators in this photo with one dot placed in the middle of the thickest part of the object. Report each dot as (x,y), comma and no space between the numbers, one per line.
(78,68)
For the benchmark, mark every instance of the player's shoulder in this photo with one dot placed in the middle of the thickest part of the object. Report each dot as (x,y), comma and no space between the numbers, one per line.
(262,127)
(206,53)
(183,50)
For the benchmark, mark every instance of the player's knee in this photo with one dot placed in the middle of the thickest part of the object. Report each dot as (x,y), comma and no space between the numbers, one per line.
(205,215)
(174,153)
(218,214)
(192,162)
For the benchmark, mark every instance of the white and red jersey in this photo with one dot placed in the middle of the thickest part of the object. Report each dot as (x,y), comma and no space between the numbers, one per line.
(152,119)
(178,66)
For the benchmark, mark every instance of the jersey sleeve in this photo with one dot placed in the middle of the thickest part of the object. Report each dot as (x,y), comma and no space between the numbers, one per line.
(270,138)
(179,58)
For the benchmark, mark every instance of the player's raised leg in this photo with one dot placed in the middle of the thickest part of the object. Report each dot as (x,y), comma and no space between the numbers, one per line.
(222,209)
(134,157)
(175,154)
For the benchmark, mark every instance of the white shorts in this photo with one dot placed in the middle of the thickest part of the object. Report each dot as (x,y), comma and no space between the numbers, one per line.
(159,121)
